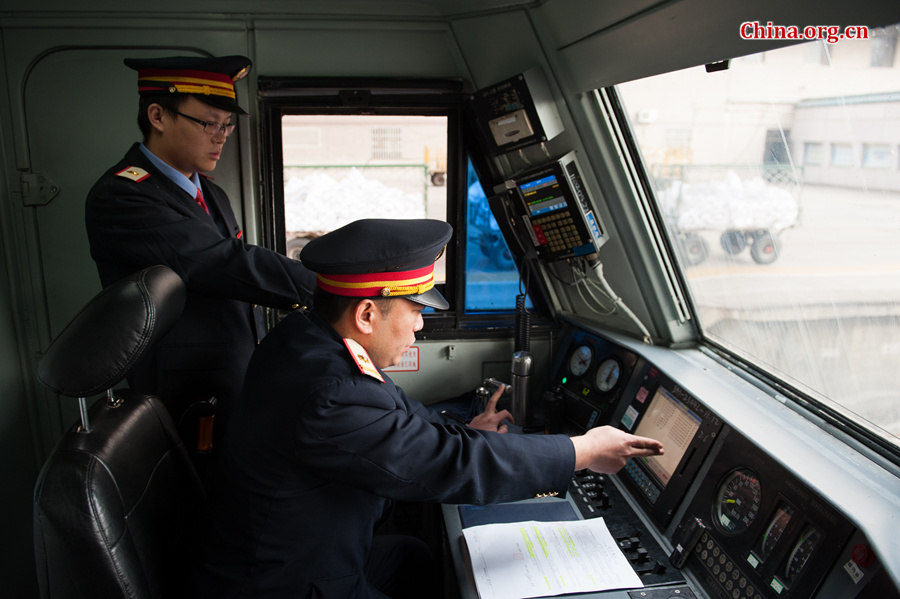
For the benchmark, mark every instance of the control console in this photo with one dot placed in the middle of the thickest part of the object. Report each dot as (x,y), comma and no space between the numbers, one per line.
(596,496)
(742,525)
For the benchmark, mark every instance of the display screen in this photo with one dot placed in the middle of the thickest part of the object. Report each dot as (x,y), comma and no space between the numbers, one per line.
(542,195)
(669,421)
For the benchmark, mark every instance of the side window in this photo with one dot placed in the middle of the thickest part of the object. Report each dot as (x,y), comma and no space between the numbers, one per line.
(340,168)
(327,163)
(492,279)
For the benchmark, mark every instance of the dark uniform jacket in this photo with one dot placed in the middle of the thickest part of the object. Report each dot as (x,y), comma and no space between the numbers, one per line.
(320,451)
(140,218)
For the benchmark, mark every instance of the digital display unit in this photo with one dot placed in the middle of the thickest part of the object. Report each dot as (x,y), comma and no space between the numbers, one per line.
(543,195)
(662,410)
(556,213)
(671,422)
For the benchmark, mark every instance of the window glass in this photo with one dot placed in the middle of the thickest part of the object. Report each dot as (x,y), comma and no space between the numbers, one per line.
(790,252)
(812,153)
(884,47)
(878,156)
(841,154)
(492,279)
(340,168)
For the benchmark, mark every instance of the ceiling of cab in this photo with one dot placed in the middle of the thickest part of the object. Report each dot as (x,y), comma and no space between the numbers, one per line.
(414,9)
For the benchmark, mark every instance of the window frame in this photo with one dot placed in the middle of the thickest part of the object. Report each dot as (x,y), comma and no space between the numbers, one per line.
(281,96)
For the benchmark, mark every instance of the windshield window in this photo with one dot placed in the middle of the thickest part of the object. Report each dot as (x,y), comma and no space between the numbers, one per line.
(779,183)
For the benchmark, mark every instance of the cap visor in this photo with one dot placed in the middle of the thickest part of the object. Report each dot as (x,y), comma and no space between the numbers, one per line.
(431,298)
(221,103)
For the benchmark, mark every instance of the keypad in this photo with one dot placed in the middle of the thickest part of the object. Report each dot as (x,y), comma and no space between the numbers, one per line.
(723,570)
(557,231)
(642,481)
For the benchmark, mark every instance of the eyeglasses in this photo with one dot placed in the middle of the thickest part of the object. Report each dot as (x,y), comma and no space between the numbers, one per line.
(210,127)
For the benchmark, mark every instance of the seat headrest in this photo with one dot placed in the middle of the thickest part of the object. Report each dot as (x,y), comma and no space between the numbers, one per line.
(111,333)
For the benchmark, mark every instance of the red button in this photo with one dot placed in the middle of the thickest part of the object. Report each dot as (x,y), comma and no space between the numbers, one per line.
(863,555)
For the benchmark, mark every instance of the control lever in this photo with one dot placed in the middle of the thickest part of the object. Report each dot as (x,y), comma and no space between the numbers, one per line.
(484,392)
(652,568)
(629,543)
(604,501)
(521,375)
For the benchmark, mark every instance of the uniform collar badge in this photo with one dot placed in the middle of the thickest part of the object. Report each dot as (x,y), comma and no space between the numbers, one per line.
(362,359)
(135,173)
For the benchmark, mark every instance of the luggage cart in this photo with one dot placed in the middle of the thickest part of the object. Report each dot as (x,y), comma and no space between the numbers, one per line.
(746,206)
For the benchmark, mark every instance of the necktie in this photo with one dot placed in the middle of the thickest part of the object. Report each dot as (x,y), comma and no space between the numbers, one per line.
(201,201)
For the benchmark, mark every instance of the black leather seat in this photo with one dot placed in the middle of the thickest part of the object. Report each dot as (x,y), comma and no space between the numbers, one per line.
(118,503)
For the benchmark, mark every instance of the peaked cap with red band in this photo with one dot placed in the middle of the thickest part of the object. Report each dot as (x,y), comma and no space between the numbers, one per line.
(211,80)
(380,258)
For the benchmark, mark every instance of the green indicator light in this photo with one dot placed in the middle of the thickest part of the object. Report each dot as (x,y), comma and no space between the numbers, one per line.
(565,379)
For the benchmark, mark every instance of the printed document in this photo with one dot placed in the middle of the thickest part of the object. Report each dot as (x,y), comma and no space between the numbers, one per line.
(517,560)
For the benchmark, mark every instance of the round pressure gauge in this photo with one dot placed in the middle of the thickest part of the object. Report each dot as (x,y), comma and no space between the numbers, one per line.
(737,501)
(580,360)
(608,373)
(801,553)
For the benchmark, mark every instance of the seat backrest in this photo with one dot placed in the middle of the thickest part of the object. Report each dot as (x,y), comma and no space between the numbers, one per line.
(118,504)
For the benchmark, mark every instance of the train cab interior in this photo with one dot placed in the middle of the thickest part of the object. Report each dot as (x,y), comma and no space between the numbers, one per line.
(675,217)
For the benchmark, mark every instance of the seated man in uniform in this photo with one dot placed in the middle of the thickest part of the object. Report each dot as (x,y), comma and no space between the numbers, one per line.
(327,440)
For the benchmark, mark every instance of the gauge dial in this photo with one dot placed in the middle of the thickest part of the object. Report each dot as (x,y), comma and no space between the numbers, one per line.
(737,501)
(801,553)
(607,376)
(580,360)
(774,530)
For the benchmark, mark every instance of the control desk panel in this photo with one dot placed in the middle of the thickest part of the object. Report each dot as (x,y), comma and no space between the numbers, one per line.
(735,523)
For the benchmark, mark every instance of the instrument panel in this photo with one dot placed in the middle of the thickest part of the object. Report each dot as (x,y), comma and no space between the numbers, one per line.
(758,528)
(599,383)
(744,525)
(589,380)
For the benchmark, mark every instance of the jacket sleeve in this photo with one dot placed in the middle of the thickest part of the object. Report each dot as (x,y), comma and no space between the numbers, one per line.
(132,225)
(368,435)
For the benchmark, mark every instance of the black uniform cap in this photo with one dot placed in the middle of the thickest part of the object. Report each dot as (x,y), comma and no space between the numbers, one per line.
(210,80)
(380,258)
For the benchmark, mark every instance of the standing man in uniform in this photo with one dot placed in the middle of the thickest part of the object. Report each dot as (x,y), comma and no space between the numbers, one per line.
(327,440)
(157,206)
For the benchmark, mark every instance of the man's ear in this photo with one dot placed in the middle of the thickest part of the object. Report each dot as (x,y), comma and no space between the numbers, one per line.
(364,315)
(155,114)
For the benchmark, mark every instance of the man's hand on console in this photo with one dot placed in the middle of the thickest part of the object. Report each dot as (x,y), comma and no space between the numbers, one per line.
(607,449)
(491,419)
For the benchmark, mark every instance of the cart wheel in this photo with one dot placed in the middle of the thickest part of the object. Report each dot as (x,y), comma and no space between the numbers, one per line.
(733,242)
(765,248)
(694,249)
